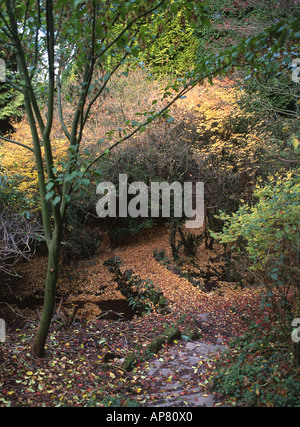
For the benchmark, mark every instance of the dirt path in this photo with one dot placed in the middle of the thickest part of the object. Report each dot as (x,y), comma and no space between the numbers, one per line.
(177,377)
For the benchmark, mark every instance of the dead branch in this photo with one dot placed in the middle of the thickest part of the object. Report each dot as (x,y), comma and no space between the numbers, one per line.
(17,238)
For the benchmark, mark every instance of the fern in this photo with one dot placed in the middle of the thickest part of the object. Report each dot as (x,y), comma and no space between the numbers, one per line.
(11,103)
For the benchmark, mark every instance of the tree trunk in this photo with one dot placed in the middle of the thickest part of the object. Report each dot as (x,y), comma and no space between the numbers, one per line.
(40,338)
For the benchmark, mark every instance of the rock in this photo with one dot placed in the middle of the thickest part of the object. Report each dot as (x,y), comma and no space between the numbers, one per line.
(189,400)
(203,317)
(168,336)
(172,334)
(156,345)
(173,378)
(129,362)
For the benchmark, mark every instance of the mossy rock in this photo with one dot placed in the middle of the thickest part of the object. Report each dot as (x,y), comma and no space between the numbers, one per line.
(156,345)
(129,362)
(168,336)
(194,334)
(172,334)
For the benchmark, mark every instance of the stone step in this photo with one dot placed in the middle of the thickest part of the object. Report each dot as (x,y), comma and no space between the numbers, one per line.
(184,364)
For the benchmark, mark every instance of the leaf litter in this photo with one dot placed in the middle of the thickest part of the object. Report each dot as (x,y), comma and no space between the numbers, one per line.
(84,363)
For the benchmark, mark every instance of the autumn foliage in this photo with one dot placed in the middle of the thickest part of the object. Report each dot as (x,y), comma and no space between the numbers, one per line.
(213,138)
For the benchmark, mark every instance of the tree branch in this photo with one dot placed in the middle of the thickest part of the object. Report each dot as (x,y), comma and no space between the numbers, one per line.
(17,143)
(146,13)
(51,60)
(7,25)
(60,110)
(137,129)
(100,91)
(187,88)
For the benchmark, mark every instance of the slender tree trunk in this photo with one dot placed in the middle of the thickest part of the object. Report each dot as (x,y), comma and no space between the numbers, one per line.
(39,342)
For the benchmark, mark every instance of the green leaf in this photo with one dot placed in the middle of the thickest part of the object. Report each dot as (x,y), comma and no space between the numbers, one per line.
(121,42)
(295,142)
(49,195)
(97,173)
(77,2)
(274,276)
(49,186)
(85,182)
(56,200)
(67,198)
(68,177)
(72,149)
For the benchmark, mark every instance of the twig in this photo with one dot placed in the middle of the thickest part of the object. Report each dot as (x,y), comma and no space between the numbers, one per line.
(108,312)
(17,236)
(10,307)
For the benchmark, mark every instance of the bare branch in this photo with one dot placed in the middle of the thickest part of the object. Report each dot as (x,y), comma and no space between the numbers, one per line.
(17,236)
(17,143)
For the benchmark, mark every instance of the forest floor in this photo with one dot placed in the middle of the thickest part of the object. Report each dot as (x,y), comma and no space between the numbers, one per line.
(84,362)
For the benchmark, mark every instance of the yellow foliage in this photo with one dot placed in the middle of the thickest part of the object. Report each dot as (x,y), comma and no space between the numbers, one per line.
(212,116)
(19,163)
(222,125)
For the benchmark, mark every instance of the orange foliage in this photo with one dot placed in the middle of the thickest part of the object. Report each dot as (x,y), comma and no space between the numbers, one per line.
(210,117)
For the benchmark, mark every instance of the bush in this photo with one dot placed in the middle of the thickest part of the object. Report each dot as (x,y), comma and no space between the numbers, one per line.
(231,146)
(157,156)
(265,239)
(80,239)
(18,237)
(255,372)
(10,196)
(271,225)
(19,229)
(129,362)
(174,52)
(188,240)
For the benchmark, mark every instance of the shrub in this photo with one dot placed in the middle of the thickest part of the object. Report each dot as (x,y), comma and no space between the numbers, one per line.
(11,197)
(20,164)
(157,156)
(19,229)
(265,238)
(231,145)
(81,241)
(188,240)
(255,372)
(130,362)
